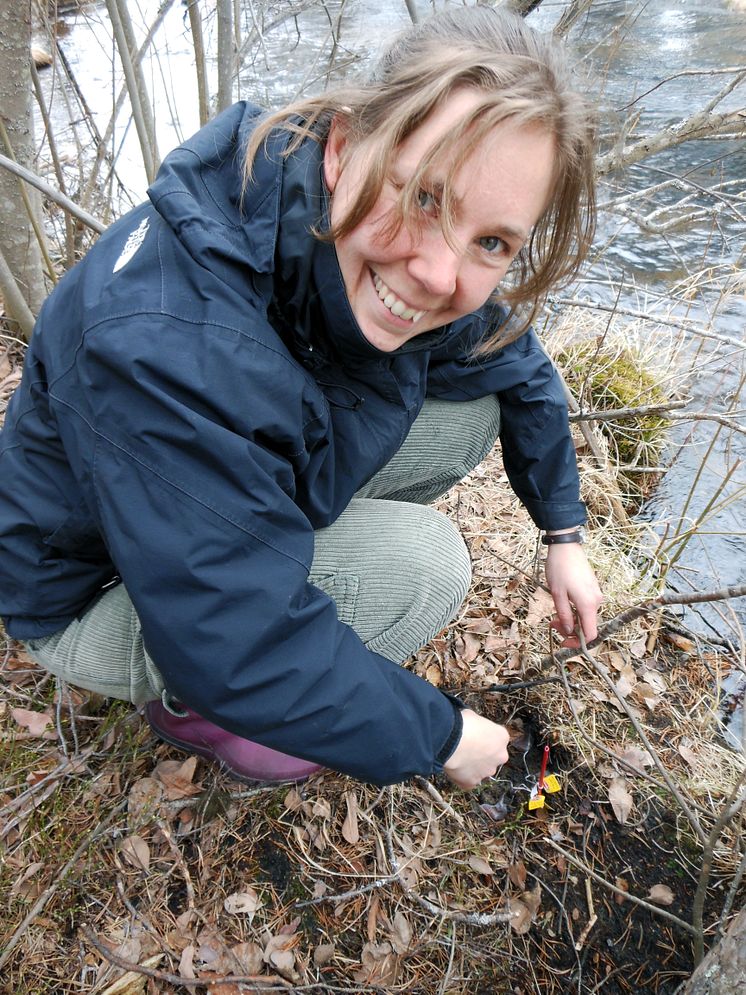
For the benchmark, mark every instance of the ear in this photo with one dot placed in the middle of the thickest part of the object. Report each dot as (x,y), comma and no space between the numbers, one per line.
(334,152)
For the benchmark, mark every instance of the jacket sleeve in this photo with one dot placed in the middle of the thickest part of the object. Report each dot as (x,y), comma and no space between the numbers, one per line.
(196,503)
(537,448)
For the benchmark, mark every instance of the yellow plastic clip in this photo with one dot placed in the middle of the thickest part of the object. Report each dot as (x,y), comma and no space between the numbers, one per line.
(551,784)
(537,802)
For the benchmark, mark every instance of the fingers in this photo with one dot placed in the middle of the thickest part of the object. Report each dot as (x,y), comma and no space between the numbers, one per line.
(483,747)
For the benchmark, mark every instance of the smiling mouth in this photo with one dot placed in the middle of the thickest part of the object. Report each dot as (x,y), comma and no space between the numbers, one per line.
(395,304)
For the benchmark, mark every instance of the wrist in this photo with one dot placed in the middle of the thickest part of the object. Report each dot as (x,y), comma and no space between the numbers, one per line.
(560,537)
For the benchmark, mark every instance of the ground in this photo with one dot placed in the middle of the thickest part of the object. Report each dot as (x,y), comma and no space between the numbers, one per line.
(130,868)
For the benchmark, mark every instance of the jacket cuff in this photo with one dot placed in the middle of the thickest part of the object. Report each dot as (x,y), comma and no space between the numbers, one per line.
(455,734)
(549,516)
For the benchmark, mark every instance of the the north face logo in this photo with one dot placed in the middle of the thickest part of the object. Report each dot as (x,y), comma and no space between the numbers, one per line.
(133,243)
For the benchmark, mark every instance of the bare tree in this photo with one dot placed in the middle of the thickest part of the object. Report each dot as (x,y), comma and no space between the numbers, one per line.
(21,276)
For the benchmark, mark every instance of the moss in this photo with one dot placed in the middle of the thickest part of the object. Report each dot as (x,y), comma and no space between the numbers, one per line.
(608,377)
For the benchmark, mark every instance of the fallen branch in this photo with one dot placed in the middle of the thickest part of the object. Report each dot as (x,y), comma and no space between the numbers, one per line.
(59,198)
(619,621)
(612,414)
(681,923)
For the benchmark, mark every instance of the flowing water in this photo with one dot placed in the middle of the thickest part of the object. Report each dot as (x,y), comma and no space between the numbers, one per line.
(641,56)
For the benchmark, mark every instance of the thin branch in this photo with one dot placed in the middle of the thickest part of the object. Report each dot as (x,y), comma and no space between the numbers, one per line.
(700,125)
(637,725)
(225,53)
(612,414)
(15,303)
(51,194)
(689,325)
(681,923)
(42,900)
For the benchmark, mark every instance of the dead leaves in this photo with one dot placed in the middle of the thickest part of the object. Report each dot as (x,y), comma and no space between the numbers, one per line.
(523,910)
(242,903)
(661,894)
(35,723)
(620,798)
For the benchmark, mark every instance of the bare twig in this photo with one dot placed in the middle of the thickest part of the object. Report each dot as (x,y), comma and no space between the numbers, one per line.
(59,198)
(42,900)
(612,414)
(732,805)
(682,802)
(15,302)
(439,800)
(656,910)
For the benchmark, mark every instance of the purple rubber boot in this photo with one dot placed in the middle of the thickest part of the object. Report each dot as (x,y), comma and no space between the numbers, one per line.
(240,757)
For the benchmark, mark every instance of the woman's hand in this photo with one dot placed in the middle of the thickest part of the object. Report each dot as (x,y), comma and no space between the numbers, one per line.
(573,583)
(482,748)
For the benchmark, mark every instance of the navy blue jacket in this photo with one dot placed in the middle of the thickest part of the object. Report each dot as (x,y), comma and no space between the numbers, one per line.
(197,400)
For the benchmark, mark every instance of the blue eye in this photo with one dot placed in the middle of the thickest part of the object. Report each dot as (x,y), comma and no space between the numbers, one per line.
(427,201)
(491,243)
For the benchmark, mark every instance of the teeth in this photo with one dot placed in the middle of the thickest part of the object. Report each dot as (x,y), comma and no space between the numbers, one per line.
(394,303)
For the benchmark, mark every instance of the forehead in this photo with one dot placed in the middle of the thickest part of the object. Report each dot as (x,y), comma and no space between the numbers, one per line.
(505,181)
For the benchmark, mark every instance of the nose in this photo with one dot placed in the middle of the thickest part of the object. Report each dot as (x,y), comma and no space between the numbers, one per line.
(435,265)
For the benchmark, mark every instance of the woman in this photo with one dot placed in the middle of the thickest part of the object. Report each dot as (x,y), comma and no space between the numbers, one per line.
(235,410)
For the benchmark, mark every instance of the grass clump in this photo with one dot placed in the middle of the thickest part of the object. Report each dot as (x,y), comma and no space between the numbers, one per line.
(618,376)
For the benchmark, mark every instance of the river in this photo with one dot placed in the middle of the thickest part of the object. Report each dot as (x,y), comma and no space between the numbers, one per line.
(630,48)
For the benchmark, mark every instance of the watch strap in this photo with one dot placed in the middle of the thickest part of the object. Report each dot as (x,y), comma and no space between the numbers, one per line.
(552,540)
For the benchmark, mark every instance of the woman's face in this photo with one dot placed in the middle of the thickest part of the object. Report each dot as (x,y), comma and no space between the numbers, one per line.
(415,282)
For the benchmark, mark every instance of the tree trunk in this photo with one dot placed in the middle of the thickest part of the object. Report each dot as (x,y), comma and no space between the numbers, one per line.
(18,241)
(723,970)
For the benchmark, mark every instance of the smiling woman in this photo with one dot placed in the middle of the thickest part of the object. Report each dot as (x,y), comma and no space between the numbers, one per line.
(416,277)
(236,410)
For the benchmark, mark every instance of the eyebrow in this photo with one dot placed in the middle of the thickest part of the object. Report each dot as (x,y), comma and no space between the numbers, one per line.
(435,187)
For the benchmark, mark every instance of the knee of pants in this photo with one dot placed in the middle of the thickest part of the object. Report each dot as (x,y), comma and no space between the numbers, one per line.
(434,573)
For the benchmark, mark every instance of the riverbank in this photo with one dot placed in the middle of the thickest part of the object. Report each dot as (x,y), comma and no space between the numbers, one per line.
(122,855)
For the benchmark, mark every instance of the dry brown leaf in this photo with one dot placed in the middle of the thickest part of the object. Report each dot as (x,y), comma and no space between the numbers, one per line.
(22,879)
(524,910)
(379,965)
(323,954)
(176,778)
(293,801)
(637,758)
(244,902)
(627,681)
(322,809)
(34,722)
(517,874)
(623,885)
(400,933)
(661,894)
(480,865)
(434,675)
(144,798)
(540,607)
(186,963)
(620,798)
(136,852)
(350,829)
(688,754)
(279,954)
(249,957)
(472,647)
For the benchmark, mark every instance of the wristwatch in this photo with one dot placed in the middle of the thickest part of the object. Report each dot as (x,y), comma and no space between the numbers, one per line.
(577,535)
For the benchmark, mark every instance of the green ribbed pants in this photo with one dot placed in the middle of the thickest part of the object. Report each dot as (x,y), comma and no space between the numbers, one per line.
(397,569)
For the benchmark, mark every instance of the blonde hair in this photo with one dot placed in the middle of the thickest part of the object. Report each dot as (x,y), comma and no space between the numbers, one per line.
(522,76)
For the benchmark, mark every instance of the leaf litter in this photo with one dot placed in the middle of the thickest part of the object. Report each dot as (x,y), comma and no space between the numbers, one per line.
(335,883)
